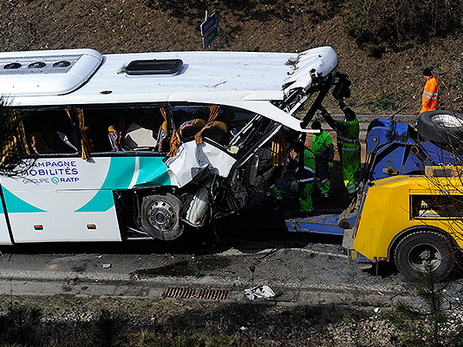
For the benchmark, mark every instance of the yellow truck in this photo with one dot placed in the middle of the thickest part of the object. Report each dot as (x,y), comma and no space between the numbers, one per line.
(409,207)
(411,220)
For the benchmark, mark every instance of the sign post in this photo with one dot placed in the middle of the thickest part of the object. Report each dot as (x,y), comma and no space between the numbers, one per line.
(209,30)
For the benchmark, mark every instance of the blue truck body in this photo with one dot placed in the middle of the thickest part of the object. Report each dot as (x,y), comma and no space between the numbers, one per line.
(393,148)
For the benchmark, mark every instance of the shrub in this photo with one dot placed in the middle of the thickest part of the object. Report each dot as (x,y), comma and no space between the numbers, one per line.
(384,102)
(21,325)
(110,328)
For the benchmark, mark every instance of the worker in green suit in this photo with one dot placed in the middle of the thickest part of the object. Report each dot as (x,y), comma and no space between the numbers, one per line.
(272,194)
(305,178)
(348,144)
(322,147)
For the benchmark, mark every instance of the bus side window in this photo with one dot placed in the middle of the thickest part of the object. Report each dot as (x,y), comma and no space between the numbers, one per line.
(133,129)
(51,132)
(214,128)
(38,144)
(96,129)
(137,136)
(163,138)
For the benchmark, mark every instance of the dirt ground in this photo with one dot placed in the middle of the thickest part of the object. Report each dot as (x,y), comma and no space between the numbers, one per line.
(246,324)
(393,81)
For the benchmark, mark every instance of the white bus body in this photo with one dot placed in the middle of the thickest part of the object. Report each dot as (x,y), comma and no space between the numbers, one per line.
(85,189)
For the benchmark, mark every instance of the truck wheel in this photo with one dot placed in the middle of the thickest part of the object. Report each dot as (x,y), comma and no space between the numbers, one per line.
(160,216)
(441,127)
(420,247)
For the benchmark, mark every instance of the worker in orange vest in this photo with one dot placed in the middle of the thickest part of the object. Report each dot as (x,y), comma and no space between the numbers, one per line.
(430,97)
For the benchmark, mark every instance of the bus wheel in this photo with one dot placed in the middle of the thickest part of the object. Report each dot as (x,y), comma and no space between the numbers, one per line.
(160,216)
(417,249)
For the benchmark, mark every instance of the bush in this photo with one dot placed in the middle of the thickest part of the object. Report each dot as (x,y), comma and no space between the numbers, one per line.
(426,325)
(261,10)
(396,22)
(21,325)
(110,328)
(385,102)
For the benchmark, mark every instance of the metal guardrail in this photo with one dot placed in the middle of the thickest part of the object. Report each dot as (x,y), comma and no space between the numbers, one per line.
(364,121)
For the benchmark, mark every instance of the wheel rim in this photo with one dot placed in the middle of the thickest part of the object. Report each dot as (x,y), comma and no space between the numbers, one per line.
(447,121)
(421,255)
(162,215)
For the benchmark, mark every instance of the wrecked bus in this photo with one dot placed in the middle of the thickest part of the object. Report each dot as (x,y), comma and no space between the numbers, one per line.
(129,146)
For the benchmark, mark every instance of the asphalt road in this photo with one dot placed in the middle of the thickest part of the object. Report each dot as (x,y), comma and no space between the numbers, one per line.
(220,265)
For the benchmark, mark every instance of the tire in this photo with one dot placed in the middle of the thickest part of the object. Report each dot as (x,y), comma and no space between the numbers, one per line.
(441,127)
(420,246)
(160,216)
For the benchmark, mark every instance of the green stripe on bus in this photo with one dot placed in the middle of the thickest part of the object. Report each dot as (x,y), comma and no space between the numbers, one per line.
(120,173)
(153,172)
(17,205)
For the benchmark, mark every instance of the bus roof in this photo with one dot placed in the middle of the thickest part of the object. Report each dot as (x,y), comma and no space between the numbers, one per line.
(83,76)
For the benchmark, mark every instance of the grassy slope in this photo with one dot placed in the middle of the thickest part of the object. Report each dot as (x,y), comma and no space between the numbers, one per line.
(119,26)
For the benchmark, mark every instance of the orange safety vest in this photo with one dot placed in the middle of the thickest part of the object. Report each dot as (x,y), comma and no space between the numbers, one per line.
(430,97)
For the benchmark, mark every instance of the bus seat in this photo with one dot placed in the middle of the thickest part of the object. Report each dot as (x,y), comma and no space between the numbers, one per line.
(163,139)
(138,137)
(38,144)
(191,127)
(215,131)
(114,138)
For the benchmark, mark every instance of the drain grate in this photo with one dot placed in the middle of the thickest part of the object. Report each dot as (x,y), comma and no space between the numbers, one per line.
(195,293)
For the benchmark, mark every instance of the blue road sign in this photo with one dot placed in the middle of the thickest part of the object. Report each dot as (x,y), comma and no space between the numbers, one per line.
(209,29)
(210,36)
(209,24)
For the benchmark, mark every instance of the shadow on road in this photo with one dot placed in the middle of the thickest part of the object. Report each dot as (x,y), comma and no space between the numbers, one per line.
(251,231)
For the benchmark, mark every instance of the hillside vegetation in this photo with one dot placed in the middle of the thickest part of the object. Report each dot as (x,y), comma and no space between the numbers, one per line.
(383,45)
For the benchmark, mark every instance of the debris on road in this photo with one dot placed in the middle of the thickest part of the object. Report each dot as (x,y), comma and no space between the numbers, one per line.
(260,292)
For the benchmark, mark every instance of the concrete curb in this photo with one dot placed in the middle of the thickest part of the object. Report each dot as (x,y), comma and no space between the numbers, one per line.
(147,289)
